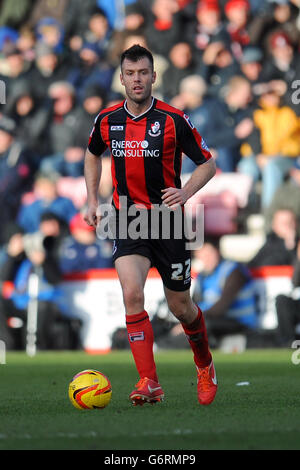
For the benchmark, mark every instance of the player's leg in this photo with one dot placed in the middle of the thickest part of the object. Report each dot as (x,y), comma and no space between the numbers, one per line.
(132,271)
(173,261)
(193,323)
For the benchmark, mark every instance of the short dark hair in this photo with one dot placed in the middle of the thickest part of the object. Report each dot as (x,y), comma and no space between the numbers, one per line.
(135,53)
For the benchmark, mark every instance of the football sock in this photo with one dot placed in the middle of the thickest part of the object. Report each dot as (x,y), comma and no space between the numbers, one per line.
(197,337)
(141,339)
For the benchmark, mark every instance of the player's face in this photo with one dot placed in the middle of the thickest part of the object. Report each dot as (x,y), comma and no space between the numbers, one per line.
(138,78)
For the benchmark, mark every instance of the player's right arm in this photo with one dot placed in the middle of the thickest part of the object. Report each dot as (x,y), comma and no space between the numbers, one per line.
(92,172)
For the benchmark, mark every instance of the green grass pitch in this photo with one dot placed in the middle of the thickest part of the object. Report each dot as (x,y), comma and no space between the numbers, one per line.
(35,412)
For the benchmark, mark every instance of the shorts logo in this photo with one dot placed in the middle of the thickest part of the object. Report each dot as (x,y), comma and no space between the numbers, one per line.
(116,128)
(155,129)
(138,336)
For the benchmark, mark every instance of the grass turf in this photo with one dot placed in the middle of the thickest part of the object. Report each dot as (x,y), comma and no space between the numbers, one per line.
(35,412)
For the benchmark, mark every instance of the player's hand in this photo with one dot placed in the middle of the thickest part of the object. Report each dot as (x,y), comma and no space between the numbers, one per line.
(91,216)
(261,160)
(174,197)
(244,128)
(15,245)
(211,52)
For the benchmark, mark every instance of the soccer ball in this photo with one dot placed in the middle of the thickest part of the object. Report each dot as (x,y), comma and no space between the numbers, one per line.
(90,389)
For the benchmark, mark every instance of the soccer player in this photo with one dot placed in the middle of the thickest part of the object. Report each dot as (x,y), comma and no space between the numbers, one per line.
(146,138)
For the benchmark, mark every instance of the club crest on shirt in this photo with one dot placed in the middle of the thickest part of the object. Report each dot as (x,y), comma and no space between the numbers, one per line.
(155,129)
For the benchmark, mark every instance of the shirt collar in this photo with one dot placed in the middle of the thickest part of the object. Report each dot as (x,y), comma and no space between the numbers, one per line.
(140,115)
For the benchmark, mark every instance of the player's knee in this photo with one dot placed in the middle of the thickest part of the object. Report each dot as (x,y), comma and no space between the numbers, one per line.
(179,308)
(133,298)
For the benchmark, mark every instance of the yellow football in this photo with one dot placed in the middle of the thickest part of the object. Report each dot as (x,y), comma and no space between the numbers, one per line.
(90,389)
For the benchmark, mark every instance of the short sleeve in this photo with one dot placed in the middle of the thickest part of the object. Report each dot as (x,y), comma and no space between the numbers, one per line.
(191,142)
(96,144)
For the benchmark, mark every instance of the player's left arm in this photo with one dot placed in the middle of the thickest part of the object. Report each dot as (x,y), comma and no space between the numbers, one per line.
(173,197)
(194,146)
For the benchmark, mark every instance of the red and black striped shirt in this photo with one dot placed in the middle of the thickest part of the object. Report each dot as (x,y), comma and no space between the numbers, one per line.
(146,150)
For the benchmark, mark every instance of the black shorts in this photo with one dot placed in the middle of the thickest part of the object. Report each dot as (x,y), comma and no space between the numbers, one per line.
(169,256)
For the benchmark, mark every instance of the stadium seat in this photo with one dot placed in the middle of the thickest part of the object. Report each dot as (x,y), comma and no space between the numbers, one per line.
(220,214)
(237,184)
(241,248)
(222,197)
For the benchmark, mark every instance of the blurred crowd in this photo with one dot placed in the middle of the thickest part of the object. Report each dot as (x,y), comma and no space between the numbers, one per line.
(232,65)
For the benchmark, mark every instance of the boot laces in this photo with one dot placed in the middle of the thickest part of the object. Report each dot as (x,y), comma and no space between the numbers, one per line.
(204,379)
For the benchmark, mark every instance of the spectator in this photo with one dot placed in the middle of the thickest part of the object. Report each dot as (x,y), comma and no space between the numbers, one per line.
(34,254)
(71,161)
(54,230)
(218,67)
(65,155)
(76,20)
(287,195)
(280,246)
(13,248)
(134,17)
(15,171)
(281,15)
(163,26)
(48,69)
(231,124)
(207,28)
(26,44)
(98,32)
(237,15)
(193,100)
(49,31)
(225,293)
(83,251)
(283,67)
(94,101)
(15,68)
(92,70)
(181,65)
(8,36)
(279,144)
(31,117)
(46,199)
(65,111)
(251,66)
(288,308)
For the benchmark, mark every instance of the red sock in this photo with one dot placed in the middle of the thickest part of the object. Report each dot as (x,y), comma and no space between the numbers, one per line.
(197,337)
(140,336)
